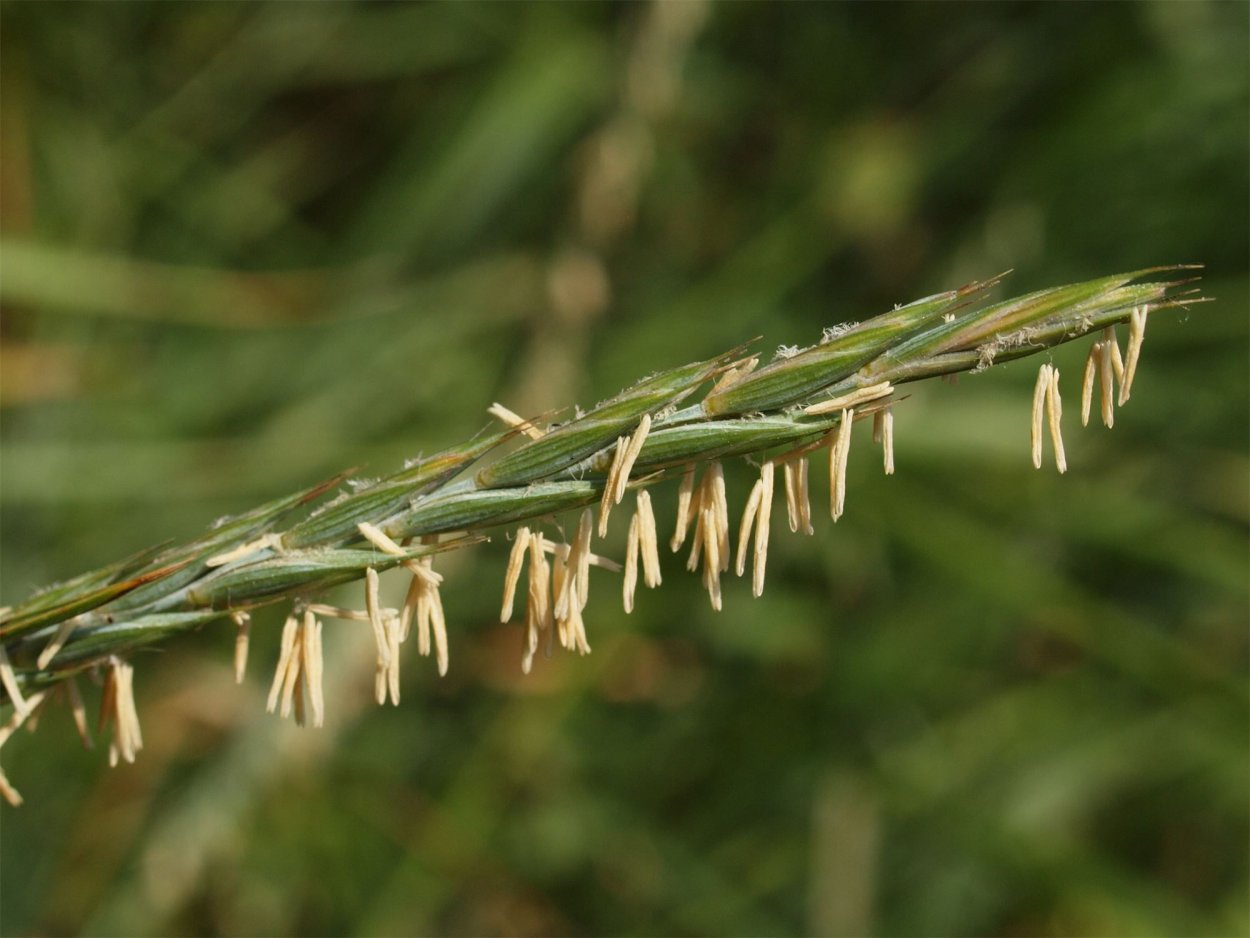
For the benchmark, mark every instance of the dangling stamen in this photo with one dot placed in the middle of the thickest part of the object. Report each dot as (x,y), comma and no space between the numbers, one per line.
(314,666)
(748,519)
(711,536)
(1113,344)
(1136,333)
(648,540)
(511,419)
(798,502)
(711,555)
(560,592)
(438,622)
(386,678)
(577,629)
(1087,381)
(117,707)
(838,455)
(854,399)
(715,481)
(685,493)
(538,607)
(762,523)
(9,679)
(243,623)
(57,642)
(374,607)
(887,440)
(608,498)
(1039,405)
(629,582)
(631,456)
(1054,411)
(732,375)
(805,500)
(579,558)
(513,574)
(265,542)
(285,656)
(792,502)
(7,791)
(420,566)
(1107,379)
(292,685)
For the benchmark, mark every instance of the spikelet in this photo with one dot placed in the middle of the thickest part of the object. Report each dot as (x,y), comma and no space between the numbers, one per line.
(746,413)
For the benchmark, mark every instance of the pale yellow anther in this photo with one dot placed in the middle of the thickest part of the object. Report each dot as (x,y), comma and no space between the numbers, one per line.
(608,498)
(579,557)
(56,643)
(791,486)
(292,687)
(1136,334)
(243,628)
(734,374)
(636,441)
(266,542)
(560,593)
(1087,382)
(379,539)
(9,679)
(748,520)
(418,566)
(313,666)
(511,419)
(853,399)
(1039,410)
(8,792)
(711,531)
(887,440)
(839,452)
(438,623)
(516,559)
(629,582)
(685,495)
(538,609)
(1107,380)
(798,502)
(1054,412)
(117,707)
(719,504)
(562,584)
(15,721)
(374,607)
(648,540)
(284,659)
(711,555)
(1113,344)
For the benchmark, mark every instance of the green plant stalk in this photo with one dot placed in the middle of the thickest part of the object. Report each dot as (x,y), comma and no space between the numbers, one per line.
(302,544)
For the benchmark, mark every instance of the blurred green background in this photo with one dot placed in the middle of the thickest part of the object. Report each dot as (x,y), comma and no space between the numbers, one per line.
(248,245)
